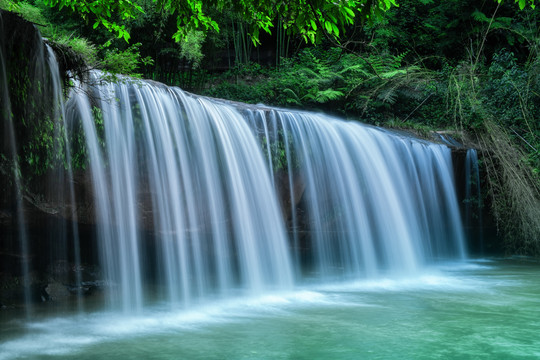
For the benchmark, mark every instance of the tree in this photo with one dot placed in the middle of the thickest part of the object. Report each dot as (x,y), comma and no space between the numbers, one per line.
(107,13)
(312,19)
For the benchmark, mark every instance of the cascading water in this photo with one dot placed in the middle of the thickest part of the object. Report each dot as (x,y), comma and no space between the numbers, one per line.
(473,197)
(195,170)
(10,167)
(33,120)
(375,201)
(196,198)
(64,175)
(197,174)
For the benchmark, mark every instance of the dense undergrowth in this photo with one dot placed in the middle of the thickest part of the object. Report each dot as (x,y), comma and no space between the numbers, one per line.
(471,67)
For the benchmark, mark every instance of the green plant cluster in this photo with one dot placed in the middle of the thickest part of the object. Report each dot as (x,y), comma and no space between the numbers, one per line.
(512,92)
(62,27)
(376,88)
(280,147)
(31,118)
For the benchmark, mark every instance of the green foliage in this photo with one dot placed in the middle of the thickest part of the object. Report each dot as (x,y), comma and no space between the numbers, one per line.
(103,13)
(311,19)
(504,90)
(81,46)
(333,81)
(26,10)
(499,102)
(281,149)
(524,3)
(113,59)
(105,57)
(514,190)
(191,47)
(125,61)
(311,78)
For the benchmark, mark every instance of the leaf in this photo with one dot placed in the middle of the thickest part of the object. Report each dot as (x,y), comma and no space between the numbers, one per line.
(356,68)
(328,95)
(300,21)
(335,29)
(328,27)
(292,98)
(311,36)
(349,11)
(479,16)
(391,74)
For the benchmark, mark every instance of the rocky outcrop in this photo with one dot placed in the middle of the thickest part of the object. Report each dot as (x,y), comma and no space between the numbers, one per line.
(60,281)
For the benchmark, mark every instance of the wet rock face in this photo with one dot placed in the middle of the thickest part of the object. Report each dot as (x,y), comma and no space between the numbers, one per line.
(15,291)
(67,279)
(283,184)
(60,282)
(56,291)
(73,275)
(25,78)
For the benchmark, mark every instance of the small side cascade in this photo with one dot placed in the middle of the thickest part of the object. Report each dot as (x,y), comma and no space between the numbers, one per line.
(473,198)
(10,168)
(35,162)
(67,239)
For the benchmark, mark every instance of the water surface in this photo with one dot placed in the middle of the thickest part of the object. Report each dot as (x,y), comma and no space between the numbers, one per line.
(482,309)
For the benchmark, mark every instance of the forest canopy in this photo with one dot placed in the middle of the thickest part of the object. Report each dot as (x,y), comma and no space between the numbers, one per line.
(313,19)
(310,18)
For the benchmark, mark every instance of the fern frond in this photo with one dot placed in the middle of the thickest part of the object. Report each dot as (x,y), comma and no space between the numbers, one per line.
(388,95)
(480,16)
(358,69)
(292,98)
(391,74)
(328,95)
(309,72)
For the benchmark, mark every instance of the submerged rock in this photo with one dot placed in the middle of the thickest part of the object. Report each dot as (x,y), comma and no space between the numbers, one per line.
(56,291)
(67,279)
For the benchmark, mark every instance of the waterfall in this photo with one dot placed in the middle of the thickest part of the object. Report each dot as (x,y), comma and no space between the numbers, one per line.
(375,201)
(34,136)
(191,171)
(249,199)
(64,175)
(190,199)
(10,167)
